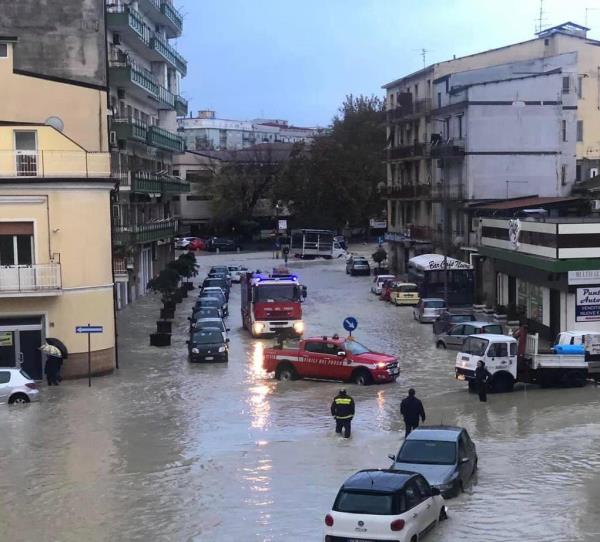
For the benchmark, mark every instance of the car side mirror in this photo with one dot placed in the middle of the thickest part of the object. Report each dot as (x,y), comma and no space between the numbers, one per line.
(227,329)
(464,460)
(392,457)
(227,340)
(341,354)
(435,491)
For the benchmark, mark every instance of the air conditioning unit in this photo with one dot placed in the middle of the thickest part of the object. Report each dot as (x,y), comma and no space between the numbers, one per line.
(112,138)
(593,172)
(595,203)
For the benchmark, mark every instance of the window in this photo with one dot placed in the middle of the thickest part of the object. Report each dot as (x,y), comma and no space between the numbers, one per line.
(424,487)
(498,350)
(460,126)
(565,85)
(580,86)
(428,452)
(579,130)
(578,172)
(459,330)
(413,497)
(4,377)
(475,346)
(26,153)
(439,101)
(563,174)
(313,347)
(513,349)
(564,129)
(3,50)
(355,502)
(393,213)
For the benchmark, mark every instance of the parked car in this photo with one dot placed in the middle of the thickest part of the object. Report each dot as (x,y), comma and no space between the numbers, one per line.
(183,242)
(218,294)
(378,283)
(197,244)
(17,387)
(209,302)
(210,323)
(428,309)
(223,245)
(386,289)
(357,265)
(220,271)
(382,505)
(204,312)
(219,282)
(236,272)
(404,293)
(455,336)
(447,319)
(445,455)
(208,345)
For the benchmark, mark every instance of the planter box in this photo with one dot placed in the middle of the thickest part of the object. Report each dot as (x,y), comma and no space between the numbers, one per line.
(164,326)
(167,314)
(170,305)
(189,286)
(160,339)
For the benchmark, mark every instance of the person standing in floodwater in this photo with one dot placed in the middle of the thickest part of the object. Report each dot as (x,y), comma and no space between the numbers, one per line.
(482,376)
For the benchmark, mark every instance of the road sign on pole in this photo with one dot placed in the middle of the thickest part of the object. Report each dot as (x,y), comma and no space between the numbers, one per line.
(350,324)
(88,330)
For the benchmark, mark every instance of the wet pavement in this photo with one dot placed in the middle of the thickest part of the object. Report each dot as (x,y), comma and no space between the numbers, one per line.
(163,450)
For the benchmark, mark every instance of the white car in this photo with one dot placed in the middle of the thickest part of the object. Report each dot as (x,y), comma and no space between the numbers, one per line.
(235,272)
(378,283)
(183,242)
(384,505)
(17,387)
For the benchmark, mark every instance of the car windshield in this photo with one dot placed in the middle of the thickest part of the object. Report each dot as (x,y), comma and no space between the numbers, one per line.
(215,295)
(207,312)
(428,452)
(277,292)
(355,348)
(215,324)
(407,288)
(223,270)
(353,502)
(208,336)
(214,282)
(457,318)
(208,302)
(475,346)
(233,268)
(434,304)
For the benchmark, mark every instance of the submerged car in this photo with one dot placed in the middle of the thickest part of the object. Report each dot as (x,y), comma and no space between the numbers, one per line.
(378,281)
(447,319)
(455,336)
(428,309)
(445,455)
(17,387)
(357,265)
(386,505)
(404,293)
(208,345)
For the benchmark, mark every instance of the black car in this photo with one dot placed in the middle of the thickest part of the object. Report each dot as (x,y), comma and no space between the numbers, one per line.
(208,345)
(211,302)
(448,319)
(217,295)
(219,282)
(223,244)
(204,312)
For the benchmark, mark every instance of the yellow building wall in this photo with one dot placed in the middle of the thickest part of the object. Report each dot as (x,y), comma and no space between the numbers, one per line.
(31,99)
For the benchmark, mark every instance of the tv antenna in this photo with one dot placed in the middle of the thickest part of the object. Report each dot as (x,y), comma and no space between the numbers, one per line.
(541,17)
(423,53)
(587,10)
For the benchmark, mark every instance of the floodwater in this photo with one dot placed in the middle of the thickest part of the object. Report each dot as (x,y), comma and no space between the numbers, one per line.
(163,450)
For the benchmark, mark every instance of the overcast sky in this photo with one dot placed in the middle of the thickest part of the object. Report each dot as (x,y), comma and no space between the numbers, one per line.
(297,59)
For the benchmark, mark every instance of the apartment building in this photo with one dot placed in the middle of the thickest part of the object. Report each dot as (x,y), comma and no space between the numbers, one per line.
(55,193)
(436,168)
(144,73)
(207,132)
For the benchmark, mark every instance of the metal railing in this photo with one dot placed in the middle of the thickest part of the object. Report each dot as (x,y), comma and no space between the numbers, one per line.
(163,139)
(181,106)
(408,191)
(449,192)
(413,150)
(421,106)
(172,14)
(166,97)
(30,278)
(168,53)
(54,163)
(145,233)
(449,148)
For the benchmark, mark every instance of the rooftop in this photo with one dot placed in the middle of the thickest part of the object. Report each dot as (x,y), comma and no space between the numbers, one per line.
(378,480)
(526,202)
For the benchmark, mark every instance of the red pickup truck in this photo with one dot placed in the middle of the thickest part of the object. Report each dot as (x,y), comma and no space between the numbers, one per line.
(332,358)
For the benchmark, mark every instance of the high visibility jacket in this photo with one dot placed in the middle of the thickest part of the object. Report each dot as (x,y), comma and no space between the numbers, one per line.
(342,407)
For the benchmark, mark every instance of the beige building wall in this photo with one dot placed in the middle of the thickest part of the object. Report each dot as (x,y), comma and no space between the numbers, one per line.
(83,110)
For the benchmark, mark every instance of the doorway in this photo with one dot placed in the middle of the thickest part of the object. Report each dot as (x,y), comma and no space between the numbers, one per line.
(20,340)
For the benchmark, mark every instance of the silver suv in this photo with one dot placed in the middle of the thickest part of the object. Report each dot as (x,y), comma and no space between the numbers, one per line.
(17,387)
(357,265)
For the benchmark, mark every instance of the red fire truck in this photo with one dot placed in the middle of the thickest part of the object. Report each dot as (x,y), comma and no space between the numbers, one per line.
(272,303)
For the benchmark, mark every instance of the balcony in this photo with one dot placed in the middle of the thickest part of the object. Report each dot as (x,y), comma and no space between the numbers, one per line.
(145,233)
(181,106)
(166,98)
(129,22)
(136,80)
(412,233)
(54,164)
(449,148)
(413,151)
(168,53)
(30,280)
(164,13)
(173,185)
(144,182)
(408,191)
(409,110)
(130,129)
(173,16)
(163,139)
(441,191)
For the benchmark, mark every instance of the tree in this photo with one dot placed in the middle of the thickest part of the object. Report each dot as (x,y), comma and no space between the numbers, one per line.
(379,256)
(165,283)
(185,266)
(335,181)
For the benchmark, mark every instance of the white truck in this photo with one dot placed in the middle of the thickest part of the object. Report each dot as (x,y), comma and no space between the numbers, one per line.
(499,353)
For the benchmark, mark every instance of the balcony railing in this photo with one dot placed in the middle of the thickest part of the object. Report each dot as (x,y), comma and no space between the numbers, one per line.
(166,97)
(415,150)
(415,108)
(408,191)
(54,163)
(130,129)
(181,106)
(173,185)
(440,191)
(119,266)
(23,279)
(122,73)
(449,148)
(144,182)
(163,139)
(145,233)
(168,53)
(172,14)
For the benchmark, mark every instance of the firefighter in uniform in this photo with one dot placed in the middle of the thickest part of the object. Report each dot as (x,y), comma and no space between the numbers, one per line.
(342,409)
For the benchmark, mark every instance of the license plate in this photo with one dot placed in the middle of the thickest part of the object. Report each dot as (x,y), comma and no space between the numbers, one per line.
(460,377)
(209,358)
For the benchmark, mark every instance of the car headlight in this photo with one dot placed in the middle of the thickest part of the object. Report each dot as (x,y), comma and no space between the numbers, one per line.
(195,351)
(222,349)
(258,327)
(381,365)
(299,327)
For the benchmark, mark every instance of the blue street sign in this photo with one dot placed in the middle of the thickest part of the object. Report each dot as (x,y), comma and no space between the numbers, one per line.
(89,329)
(350,323)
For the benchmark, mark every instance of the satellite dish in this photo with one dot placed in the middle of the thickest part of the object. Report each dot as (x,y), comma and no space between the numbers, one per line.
(56,123)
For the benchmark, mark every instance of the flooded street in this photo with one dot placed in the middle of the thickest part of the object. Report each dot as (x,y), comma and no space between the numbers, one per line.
(163,450)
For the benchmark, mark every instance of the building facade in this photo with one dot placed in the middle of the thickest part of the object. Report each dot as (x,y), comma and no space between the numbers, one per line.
(55,193)
(144,74)
(438,165)
(206,132)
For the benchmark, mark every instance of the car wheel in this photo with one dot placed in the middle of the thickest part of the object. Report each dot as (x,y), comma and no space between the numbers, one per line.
(362,377)
(286,372)
(18,399)
(441,345)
